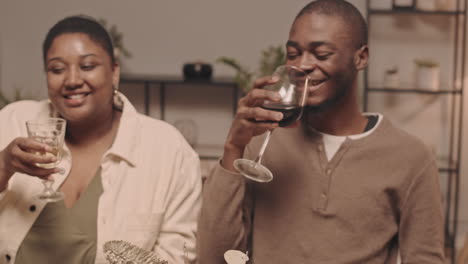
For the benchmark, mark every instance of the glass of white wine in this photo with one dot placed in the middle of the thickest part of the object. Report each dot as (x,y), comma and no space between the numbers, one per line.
(49,131)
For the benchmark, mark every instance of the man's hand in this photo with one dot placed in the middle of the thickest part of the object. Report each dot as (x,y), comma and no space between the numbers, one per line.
(250,120)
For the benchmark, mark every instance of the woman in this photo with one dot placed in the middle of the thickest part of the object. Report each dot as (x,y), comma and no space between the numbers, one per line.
(125,176)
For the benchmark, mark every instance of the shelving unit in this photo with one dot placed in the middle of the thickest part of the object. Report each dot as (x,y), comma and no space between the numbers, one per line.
(162,82)
(206,106)
(450,167)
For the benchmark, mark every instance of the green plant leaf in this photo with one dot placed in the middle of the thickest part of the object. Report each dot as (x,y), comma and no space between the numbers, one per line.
(243,76)
(117,38)
(428,63)
(270,58)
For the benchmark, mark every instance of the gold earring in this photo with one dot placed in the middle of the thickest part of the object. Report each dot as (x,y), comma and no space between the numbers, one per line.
(117,100)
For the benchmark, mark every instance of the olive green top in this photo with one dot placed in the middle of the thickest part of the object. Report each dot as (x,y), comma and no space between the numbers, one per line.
(64,235)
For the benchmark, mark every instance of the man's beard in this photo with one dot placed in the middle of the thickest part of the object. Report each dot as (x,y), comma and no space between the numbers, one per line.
(344,83)
(324,106)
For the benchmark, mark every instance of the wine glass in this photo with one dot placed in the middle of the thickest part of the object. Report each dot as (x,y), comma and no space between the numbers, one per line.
(292,86)
(50,131)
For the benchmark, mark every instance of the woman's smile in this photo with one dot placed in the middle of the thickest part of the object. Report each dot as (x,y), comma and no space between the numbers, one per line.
(75,99)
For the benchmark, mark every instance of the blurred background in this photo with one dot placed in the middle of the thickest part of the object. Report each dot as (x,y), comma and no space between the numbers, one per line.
(162,36)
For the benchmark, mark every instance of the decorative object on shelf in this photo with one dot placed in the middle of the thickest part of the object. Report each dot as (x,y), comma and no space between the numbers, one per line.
(426,5)
(446,5)
(188,128)
(381,4)
(235,257)
(445,123)
(404,4)
(197,71)
(123,252)
(427,74)
(391,81)
(117,40)
(392,78)
(270,59)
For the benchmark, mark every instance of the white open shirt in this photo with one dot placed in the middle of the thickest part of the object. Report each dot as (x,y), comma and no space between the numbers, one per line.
(151,181)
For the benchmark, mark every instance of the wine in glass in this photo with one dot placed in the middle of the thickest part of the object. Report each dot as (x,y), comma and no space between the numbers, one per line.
(50,131)
(292,86)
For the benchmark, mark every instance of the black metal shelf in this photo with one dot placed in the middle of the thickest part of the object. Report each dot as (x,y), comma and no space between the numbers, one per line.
(169,79)
(451,167)
(163,82)
(412,90)
(413,12)
(453,170)
(450,170)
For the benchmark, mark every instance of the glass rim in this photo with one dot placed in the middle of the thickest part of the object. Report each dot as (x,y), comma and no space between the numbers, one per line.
(49,120)
(307,79)
(292,67)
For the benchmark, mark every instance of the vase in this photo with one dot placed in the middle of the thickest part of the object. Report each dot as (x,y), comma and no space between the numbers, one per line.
(197,71)
(381,4)
(426,5)
(428,78)
(446,5)
(188,128)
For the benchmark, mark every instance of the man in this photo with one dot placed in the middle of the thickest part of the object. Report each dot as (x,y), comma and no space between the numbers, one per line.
(348,187)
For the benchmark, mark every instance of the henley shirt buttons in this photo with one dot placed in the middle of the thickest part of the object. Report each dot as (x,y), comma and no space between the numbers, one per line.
(32,208)
(323,202)
(8,257)
(328,172)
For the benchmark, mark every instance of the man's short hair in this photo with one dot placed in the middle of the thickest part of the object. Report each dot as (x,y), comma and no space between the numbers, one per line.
(346,11)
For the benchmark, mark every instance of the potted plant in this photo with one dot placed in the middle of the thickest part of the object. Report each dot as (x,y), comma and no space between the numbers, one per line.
(271,58)
(117,40)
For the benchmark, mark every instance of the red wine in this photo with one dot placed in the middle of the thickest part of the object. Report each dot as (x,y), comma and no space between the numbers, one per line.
(291,113)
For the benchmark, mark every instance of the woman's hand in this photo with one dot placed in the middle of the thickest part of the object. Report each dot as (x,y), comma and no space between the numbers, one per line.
(19,156)
(250,120)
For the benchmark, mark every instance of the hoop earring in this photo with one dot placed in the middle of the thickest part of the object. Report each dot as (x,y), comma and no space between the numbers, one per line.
(117,100)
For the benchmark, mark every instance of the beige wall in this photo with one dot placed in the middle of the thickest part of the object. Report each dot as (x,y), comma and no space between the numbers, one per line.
(162,34)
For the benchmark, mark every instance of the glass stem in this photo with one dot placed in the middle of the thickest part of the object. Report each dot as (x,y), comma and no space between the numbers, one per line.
(262,149)
(48,185)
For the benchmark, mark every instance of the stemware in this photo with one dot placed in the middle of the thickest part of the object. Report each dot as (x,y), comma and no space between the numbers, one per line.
(50,131)
(293,87)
